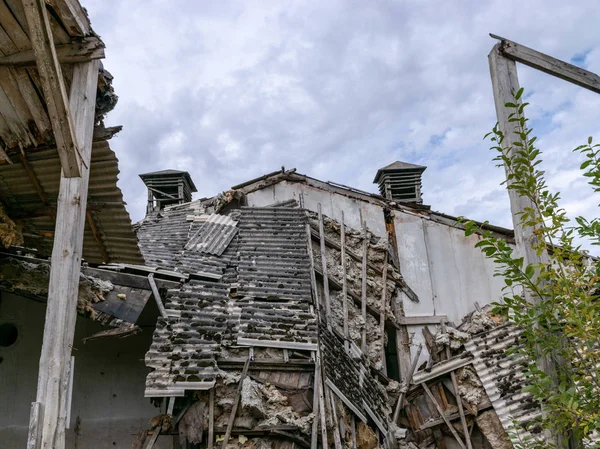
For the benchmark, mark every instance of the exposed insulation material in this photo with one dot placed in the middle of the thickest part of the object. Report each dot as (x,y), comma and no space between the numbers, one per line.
(11,234)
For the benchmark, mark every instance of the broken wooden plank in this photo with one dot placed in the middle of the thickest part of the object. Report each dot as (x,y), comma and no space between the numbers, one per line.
(53,86)
(87,49)
(234,407)
(417,320)
(153,438)
(443,415)
(463,419)
(157,298)
(441,368)
(35,426)
(363,308)
(406,383)
(73,16)
(344,281)
(548,64)
(324,268)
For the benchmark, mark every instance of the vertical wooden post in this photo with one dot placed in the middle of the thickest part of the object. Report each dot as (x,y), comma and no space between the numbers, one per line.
(211,418)
(382,311)
(315,424)
(505,84)
(324,268)
(344,286)
(365,249)
(61,311)
(236,402)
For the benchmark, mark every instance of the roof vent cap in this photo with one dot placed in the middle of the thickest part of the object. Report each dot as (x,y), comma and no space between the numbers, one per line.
(167,187)
(401,181)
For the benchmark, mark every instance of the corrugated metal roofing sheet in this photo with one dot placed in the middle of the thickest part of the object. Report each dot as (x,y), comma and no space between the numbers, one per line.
(105,203)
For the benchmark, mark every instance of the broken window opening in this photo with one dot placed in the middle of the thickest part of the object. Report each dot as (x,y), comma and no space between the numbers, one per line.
(391,355)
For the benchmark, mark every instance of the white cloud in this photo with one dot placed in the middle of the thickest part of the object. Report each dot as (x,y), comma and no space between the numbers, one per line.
(232,90)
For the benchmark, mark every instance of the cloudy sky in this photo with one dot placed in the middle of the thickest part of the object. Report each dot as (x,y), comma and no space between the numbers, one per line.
(231,90)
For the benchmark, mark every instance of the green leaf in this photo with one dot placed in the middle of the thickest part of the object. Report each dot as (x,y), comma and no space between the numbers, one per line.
(519,93)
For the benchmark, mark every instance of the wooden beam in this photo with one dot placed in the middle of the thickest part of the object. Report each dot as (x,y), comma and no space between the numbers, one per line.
(420,320)
(61,312)
(324,268)
(363,298)
(156,294)
(406,383)
(461,412)
(236,402)
(53,86)
(101,247)
(505,84)
(84,50)
(548,64)
(382,311)
(211,418)
(315,423)
(344,283)
(35,426)
(33,178)
(444,417)
(72,15)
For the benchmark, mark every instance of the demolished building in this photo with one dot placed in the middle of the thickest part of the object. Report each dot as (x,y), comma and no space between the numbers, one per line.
(283,312)
(307,308)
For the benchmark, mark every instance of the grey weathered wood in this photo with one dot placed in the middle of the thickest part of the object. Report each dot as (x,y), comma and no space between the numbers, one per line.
(419,320)
(461,412)
(153,438)
(444,417)
(234,407)
(382,311)
(353,431)
(53,85)
(315,423)
(321,389)
(35,425)
(324,268)
(313,279)
(548,64)
(363,308)
(211,418)
(156,294)
(337,440)
(61,312)
(89,48)
(73,16)
(344,282)
(505,84)
(406,383)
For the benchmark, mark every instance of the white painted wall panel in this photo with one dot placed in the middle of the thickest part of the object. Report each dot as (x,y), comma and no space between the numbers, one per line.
(108,390)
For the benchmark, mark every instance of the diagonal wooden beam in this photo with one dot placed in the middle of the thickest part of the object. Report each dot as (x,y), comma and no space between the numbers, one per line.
(548,64)
(33,178)
(53,86)
(77,51)
(101,247)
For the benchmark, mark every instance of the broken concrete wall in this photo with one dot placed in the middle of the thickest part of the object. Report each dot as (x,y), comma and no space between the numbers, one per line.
(32,278)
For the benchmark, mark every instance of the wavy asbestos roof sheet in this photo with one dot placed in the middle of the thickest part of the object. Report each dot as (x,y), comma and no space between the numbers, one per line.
(503,379)
(108,232)
(215,234)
